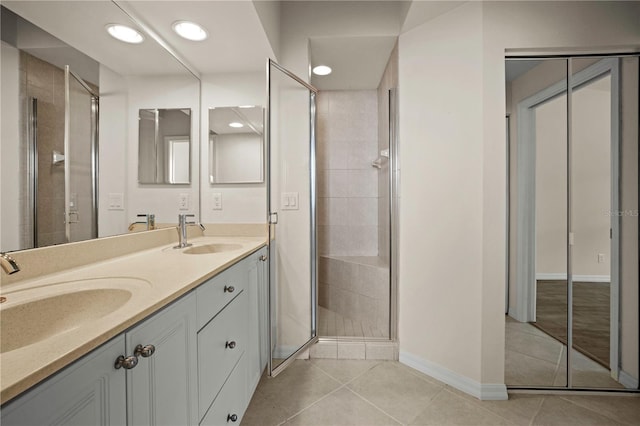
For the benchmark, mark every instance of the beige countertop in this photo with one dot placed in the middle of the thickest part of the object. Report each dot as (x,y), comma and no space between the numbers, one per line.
(154,277)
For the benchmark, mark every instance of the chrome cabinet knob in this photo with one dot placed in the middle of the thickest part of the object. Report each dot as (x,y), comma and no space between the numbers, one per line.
(232,417)
(263,257)
(229,289)
(144,351)
(127,363)
(230,345)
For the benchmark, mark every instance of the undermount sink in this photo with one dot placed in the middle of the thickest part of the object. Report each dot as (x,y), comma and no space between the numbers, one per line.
(212,248)
(32,315)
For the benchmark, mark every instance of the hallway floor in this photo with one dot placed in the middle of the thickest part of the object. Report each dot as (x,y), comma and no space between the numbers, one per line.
(347,392)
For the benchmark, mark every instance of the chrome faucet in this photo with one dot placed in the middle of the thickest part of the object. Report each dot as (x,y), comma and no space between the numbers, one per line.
(148,219)
(9,265)
(183,222)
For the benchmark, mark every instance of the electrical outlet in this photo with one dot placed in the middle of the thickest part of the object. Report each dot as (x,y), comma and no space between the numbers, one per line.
(116,201)
(601,258)
(183,201)
(216,197)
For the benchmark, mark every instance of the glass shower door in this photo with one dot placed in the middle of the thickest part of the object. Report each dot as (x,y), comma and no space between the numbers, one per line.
(291,195)
(80,146)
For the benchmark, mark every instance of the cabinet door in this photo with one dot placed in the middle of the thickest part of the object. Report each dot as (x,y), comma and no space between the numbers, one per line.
(162,388)
(254,366)
(263,307)
(88,392)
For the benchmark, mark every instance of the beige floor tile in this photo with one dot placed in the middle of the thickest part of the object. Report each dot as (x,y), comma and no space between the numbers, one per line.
(541,347)
(522,369)
(624,409)
(299,386)
(393,389)
(342,407)
(344,370)
(264,411)
(557,411)
(519,409)
(450,409)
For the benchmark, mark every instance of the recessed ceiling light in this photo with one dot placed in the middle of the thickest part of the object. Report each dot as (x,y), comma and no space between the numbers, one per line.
(236,125)
(189,30)
(124,33)
(322,70)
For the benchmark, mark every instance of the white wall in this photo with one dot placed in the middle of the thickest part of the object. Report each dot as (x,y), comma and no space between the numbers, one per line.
(112,151)
(10,159)
(452,236)
(241,203)
(161,92)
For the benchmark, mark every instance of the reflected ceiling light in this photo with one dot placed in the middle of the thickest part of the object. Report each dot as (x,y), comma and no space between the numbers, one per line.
(322,70)
(124,33)
(246,106)
(189,30)
(236,125)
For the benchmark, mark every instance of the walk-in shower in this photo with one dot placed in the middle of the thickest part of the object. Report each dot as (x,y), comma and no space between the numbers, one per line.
(357,204)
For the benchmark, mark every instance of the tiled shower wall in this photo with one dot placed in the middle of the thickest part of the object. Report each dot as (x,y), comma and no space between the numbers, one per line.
(347,183)
(45,82)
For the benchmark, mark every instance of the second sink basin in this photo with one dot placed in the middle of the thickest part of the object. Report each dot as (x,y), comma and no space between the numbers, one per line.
(212,248)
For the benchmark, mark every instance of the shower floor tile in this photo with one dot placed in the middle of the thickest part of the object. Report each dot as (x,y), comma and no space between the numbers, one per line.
(332,324)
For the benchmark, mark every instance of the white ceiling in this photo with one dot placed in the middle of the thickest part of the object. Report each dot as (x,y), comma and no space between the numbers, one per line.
(355,38)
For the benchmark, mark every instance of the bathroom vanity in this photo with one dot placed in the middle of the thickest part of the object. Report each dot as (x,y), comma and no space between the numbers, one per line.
(186,345)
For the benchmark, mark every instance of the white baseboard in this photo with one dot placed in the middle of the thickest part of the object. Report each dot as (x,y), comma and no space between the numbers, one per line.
(483,391)
(581,278)
(627,380)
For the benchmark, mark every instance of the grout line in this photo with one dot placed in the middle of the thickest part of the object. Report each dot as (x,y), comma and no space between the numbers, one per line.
(315,402)
(543,399)
(376,407)
(584,407)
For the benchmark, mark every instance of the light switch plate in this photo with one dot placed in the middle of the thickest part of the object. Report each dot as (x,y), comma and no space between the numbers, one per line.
(289,201)
(116,201)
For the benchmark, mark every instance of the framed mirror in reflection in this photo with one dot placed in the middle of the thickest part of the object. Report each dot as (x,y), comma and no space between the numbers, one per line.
(236,145)
(164,146)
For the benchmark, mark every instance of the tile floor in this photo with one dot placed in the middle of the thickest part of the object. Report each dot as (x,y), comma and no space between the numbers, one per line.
(348,392)
(534,358)
(332,324)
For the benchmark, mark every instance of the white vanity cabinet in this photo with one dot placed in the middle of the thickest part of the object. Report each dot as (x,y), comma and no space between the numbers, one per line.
(88,392)
(196,361)
(162,388)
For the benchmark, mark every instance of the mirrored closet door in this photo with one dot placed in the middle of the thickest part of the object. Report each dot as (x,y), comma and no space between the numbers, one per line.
(572,319)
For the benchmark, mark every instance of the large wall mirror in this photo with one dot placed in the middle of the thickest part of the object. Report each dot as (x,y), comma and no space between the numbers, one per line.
(164,145)
(236,148)
(65,181)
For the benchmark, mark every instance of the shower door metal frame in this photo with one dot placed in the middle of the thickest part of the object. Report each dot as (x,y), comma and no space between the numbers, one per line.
(273,215)
(95,101)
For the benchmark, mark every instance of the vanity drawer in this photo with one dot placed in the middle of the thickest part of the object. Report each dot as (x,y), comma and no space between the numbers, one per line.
(231,402)
(220,344)
(216,293)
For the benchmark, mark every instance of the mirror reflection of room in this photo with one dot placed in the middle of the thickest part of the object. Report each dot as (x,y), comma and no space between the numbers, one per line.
(569,265)
(236,148)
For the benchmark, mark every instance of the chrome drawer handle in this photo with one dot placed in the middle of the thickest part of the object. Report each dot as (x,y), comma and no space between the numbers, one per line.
(126,362)
(230,345)
(229,289)
(144,351)
(232,417)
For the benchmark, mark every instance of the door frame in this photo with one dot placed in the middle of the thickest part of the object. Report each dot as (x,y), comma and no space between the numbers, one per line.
(524,309)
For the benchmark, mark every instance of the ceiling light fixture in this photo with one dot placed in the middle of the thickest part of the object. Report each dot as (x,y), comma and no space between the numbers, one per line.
(236,125)
(246,106)
(322,70)
(124,33)
(189,30)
